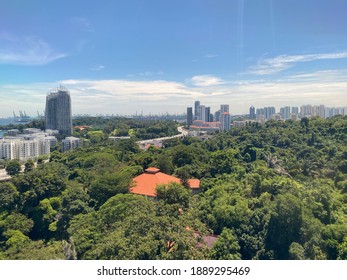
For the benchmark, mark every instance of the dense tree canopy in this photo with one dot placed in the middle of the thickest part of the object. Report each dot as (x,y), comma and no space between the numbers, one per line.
(273,191)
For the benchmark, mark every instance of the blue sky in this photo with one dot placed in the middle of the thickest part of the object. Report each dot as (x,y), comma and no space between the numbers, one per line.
(158,56)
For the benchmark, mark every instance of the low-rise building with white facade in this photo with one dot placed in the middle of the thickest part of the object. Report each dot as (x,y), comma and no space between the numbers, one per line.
(30,145)
(70,143)
(21,149)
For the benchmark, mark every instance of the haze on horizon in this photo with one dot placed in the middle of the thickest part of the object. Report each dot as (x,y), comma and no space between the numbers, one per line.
(152,56)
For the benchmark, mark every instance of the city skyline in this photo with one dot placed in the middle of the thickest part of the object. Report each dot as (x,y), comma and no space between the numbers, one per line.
(157,57)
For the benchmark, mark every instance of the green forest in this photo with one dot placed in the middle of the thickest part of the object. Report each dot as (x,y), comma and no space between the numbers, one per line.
(272,191)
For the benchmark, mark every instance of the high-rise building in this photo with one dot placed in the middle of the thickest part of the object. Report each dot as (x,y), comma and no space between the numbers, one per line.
(266,112)
(217,116)
(189,116)
(295,110)
(211,119)
(306,111)
(225,121)
(196,110)
(58,111)
(252,112)
(224,108)
(269,111)
(285,113)
(207,114)
(202,115)
(321,111)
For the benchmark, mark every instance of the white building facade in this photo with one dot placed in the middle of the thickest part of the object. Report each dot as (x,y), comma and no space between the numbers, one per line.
(23,149)
(70,143)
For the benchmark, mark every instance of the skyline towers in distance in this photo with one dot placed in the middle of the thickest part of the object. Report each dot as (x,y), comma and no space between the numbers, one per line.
(58,111)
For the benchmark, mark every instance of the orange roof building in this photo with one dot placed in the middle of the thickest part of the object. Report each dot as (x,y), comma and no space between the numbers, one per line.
(146,183)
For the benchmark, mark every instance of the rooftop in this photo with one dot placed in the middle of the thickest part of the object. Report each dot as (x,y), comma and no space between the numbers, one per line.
(147,182)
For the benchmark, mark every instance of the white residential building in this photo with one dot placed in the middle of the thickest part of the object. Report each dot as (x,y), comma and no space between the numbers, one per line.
(70,143)
(17,148)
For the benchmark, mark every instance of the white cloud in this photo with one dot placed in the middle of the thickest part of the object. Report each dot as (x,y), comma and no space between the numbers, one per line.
(211,55)
(97,67)
(127,96)
(206,80)
(26,50)
(126,89)
(267,66)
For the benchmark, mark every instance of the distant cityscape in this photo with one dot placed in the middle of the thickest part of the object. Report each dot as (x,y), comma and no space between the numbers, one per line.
(203,119)
(33,142)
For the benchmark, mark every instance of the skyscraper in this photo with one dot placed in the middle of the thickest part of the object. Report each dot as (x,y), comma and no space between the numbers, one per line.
(217,116)
(58,111)
(252,112)
(202,114)
(225,121)
(224,108)
(189,116)
(207,114)
(196,110)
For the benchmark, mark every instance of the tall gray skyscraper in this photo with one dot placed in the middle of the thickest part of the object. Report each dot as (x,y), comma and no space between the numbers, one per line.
(58,111)
(197,110)
(224,108)
(225,121)
(252,112)
(189,116)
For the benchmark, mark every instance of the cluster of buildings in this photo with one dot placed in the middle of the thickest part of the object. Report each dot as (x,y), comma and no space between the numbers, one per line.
(202,118)
(32,142)
(295,113)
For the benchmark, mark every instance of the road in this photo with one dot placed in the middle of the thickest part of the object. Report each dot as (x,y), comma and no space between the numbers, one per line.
(3,175)
(180,129)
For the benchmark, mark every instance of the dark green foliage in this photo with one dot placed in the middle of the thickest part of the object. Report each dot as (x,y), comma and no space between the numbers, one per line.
(107,185)
(13,167)
(273,191)
(29,165)
(8,196)
(284,225)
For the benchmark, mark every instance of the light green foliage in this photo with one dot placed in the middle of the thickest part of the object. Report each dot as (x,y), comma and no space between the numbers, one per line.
(15,239)
(226,247)
(342,249)
(333,235)
(96,136)
(15,221)
(37,250)
(296,252)
(174,193)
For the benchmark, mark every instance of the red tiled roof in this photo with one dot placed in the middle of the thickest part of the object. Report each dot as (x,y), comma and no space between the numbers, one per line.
(152,170)
(146,183)
(194,183)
